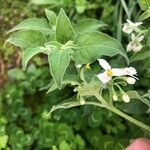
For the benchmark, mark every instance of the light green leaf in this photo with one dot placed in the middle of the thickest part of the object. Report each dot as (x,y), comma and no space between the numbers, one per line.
(59,61)
(27,39)
(44,2)
(64,30)
(37,24)
(144,4)
(3,141)
(88,25)
(145,15)
(29,53)
(92,46)
(51,16)
(141,55)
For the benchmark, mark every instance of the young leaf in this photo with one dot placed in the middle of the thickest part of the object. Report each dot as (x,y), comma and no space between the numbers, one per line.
(141,55)
(27,39)
(145,15)
(44,2)
(59,61)
(64,30)
(29,53)
(93,45)
(144,4)
(88,25)
(51,16)
(37,24)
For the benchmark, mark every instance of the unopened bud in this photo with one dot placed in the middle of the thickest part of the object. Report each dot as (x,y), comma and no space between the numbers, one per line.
(131,80)
(115,97)
(88,66)
(79,66)
(126,98)
(82,101)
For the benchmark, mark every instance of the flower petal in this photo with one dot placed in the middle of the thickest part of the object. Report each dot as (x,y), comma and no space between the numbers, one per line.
(130,71)
(118,72)
(140,38)
(103,77)
(104,64)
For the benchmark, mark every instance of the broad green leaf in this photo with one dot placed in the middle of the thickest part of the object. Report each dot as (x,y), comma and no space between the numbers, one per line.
(27,39)
(37,24)
(44,2)
(134,107)
(144,4)
(92,46)
(51,16)
(59,61)
(145,15)
(64,30)
(88,25)
(141,55)
(29,53)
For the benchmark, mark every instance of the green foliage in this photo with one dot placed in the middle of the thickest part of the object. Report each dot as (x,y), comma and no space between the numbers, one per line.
(68,41)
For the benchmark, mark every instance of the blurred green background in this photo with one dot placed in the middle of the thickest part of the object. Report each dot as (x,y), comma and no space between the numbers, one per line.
(23,107)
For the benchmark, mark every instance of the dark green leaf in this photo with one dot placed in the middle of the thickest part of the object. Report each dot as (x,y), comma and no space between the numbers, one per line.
(37,24)
(59,61)
(88,25)
(141,55)
(92,46)
(27,39)
(64,30)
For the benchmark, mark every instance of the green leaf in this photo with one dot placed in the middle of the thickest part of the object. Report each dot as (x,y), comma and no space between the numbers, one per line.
(141,55)
(51,16)
(59,61)
(37,24)
(27,39)
(92,46)
(145,15)
(64,30)
(44,2)
(144,4)
(88,25)
(29,53)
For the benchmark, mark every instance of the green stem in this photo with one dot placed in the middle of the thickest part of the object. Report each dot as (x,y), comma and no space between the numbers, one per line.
(120,113)
(134,121)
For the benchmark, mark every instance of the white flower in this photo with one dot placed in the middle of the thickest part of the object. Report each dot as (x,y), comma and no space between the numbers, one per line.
(126,98)
(115,97)
(131,80)
(110,72)
(79,66)
(135,44)
(129,27)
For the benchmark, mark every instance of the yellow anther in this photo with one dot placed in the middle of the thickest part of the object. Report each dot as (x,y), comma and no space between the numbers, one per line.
(109,72)
(88,66)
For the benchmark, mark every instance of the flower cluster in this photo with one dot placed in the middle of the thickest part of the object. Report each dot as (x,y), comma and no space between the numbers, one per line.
(128,73)
(136,37)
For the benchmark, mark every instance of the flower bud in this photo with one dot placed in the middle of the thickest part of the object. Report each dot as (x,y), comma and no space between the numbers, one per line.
(79,66)
(131,80)
(82,101)
(126,98)
(115,97)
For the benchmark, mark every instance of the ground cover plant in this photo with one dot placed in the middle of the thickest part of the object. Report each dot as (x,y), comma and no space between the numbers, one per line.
(94,91)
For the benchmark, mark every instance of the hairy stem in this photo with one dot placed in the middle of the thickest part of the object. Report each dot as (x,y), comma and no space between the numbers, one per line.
(120,113)
(136,122)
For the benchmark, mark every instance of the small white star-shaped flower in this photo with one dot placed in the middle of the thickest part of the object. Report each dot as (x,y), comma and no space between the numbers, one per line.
(129,27)
(110,72)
